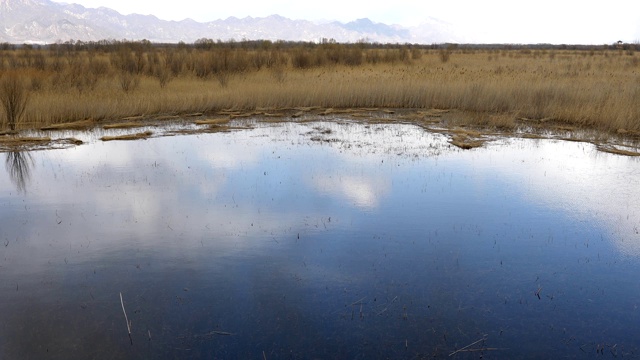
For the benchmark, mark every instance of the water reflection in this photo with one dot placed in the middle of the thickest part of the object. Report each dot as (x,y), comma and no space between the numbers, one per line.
(319,240)
(363,191)
(18,165)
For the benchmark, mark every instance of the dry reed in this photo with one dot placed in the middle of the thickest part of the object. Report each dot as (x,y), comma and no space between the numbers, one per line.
(599,88)
(136,136)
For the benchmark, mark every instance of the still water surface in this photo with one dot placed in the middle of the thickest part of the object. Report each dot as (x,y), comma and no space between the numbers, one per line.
(319,240)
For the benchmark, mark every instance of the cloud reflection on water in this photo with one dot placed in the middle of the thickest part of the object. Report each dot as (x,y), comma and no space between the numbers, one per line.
(240,219)
(122,185)
(587,185)
(361,191)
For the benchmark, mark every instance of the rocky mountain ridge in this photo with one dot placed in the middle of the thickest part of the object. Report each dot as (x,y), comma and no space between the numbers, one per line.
(45,21)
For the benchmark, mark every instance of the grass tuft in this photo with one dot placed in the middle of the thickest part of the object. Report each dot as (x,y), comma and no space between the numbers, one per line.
(137,136)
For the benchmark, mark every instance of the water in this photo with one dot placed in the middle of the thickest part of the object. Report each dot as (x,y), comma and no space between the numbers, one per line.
(319,240)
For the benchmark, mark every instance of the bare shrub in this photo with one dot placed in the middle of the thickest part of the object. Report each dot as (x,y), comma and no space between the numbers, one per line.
(175,62)
(445,55)
(99,67)
(223,77)
(37,82)
(416,53)
(14,97)
(404,55)
(391,57)
(202,67)
(85,81)
(141,61)
(373,57)
(278,73)
(83,76)
(239,62)
(353,57)
(128,81)
(276,58)
(301,59)
(258,60)
(163,75)
(57,65)
(124,61)
(39,61)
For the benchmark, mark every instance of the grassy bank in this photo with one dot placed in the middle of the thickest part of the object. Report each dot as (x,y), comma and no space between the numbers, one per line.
(595,88)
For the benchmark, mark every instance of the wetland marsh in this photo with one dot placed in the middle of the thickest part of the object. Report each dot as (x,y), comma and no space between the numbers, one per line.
(317,239)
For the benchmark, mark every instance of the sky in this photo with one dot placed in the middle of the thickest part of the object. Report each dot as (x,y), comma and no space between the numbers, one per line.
(542,21)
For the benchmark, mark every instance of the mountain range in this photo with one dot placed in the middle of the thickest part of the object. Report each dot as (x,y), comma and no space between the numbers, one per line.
(45,21)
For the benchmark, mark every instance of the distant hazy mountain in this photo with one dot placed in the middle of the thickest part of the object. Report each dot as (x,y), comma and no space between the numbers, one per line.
(44,21)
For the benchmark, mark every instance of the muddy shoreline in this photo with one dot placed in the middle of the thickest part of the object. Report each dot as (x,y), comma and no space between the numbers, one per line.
(465,130)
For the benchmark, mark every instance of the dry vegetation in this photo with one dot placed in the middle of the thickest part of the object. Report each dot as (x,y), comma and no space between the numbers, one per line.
(136,136)
(501,87)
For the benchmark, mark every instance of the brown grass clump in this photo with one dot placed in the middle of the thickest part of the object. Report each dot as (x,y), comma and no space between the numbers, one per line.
(19,140)
(212,121)
(125,125)
(466,143)
(75,125)
(273,115)
(137,136)
(466,139)
(134,118)
(243,115)
(18,144)
(614,150)
(629,133)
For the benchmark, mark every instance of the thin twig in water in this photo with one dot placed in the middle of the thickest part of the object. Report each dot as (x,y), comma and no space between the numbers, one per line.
(481,349)
(358,302)
(468,346)
(214,332)
(127,320)
(537,293)
(222,333)
(386,308)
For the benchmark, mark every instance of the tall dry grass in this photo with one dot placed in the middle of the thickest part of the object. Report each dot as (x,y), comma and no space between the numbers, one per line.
(13,98)
(597,88)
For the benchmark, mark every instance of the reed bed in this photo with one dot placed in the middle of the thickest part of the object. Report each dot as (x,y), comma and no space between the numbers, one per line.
(596,88)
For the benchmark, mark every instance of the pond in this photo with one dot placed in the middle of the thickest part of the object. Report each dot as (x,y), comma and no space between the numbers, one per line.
(319,240)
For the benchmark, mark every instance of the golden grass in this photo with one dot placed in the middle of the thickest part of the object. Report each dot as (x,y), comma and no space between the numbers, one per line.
(23,140)
(213,128)
(212,121)
(614,150)
(75,125)
(465,138)
(136,136)
(273,115)
(22,143)
(124,125)
(502,90)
